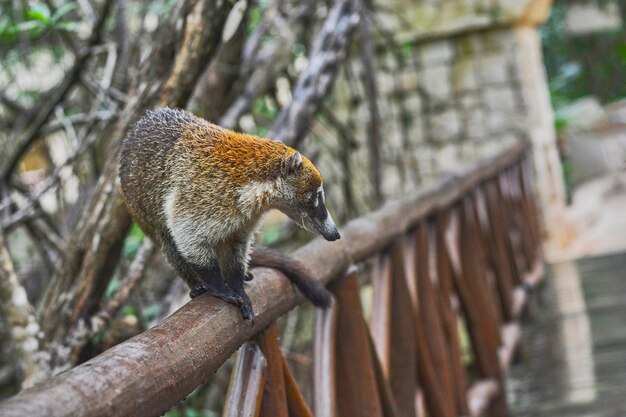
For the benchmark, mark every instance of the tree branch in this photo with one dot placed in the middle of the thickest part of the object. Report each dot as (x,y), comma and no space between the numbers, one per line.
(11,104)
(259,70)
(40,115)
(369,79)
(329,50)
(66,353)
(20,316)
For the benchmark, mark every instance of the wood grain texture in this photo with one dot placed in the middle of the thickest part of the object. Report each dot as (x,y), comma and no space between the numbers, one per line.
(433,354)
(357,391)
(245,390)
(274,392)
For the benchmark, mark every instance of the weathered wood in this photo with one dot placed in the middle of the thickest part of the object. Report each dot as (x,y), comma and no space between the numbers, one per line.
(485,258)
(521,213)
(390,408)
(324,385)
(474,297)
(274,396)
(515,218)
(483,323)
(295,401)
(432,350)
(380,324)
(168,361)
(245,391)
(498,248)
(449,318)
(514,268)
(357,391)
(396,345)
(529,196)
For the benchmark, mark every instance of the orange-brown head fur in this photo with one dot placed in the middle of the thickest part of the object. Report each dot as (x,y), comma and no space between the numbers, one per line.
(242,157)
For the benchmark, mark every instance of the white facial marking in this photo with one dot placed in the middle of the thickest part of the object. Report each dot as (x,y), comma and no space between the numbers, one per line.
(319,190)
(329,224)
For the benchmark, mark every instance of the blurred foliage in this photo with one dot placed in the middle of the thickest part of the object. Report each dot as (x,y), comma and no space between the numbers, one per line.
(32,20)
(133,241)
(193,406)
(579,65)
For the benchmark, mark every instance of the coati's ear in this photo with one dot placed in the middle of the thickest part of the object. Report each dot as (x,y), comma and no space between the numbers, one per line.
(291,165)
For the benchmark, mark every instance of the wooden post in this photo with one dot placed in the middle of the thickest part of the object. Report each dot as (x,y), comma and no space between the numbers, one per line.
(274,396)
(449,317)
(245,391)
(395,343)
(434,368)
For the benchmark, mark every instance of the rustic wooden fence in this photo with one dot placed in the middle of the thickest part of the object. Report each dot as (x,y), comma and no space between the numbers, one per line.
(452,264)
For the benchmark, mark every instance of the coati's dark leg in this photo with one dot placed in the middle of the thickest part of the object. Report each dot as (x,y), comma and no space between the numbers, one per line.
(201,279)
(232,262)
(216,286)
(182,267)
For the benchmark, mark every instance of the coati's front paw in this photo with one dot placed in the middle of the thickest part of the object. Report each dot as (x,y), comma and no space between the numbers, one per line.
(197,291)
(249,276)
(246,310)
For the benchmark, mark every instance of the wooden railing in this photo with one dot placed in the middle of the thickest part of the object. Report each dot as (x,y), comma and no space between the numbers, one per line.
(450,263)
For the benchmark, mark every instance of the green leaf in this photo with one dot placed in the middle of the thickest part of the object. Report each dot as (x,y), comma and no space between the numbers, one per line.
(112,288)
(63,10)
(133,241)
(28,26)
(39,11)
(129,311)
(270,235)
(150,312)
(68,26)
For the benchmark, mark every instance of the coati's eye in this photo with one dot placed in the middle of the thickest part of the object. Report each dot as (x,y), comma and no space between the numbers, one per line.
(320,208)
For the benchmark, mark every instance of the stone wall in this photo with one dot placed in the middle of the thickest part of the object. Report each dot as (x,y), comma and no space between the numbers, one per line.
(457,80)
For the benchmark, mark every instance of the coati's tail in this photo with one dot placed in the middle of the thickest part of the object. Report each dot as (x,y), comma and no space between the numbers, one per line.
(295,271)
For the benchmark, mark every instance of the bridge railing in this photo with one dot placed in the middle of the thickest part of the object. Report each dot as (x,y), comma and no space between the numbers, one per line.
(450,268)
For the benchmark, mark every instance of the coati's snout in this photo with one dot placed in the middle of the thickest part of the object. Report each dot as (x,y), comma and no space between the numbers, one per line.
(327,229)
(332,234)
(318,219)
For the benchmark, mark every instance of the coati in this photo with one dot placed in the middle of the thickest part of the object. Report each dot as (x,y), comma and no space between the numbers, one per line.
(199,191)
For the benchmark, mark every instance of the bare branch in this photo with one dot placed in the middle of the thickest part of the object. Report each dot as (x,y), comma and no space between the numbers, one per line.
(373,132)
(259,70)
(348,144)
(329,50)
(65,354)
(43,111)
(19,314)
(79,120)
(29,208)
(11,104)
(199,45)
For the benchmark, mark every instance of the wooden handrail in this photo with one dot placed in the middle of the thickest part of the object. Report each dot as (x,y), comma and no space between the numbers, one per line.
(149,373)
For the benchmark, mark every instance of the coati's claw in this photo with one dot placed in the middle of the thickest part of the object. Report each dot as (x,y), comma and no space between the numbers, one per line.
(197,291)
(249,276)
(245,305)
(246,311)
